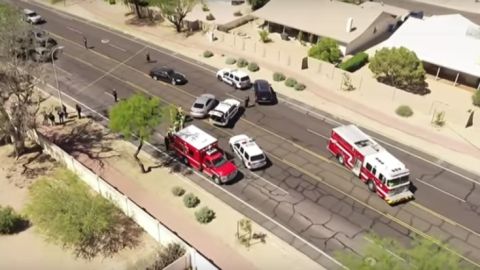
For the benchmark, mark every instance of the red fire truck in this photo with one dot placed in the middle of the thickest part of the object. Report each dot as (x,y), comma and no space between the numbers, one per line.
(200,150)
(373,164)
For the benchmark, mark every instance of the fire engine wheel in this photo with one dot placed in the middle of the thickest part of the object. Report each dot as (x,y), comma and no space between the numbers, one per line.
(216,180)
(185,161)
(371,186)
(340,159)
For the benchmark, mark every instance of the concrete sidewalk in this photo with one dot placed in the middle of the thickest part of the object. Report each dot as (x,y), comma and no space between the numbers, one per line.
(371,106)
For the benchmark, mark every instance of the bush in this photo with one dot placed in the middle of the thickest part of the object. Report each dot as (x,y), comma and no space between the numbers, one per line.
(10,222)
(264,36)
(290,82)
(205,8)
(326,50)
(167,256)
(253,67)
(404,111)
(230,61)
(237,13)
(178,191)
(278,76)
(354,63)
(190,200)
(242,62)
(112,2)
(207,54)
(204,215)
(300,86)
(210,17)
(476,98)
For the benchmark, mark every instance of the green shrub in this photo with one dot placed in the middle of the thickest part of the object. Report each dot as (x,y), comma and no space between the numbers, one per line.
(167,256)
(10,222)
(237,13)
(210,17)
(354,63)
(230,61)
(112,2)
(204,215)
(290,82)
(190,200)
(326,50)
(300,86)
(264,36)
(205,8)
(253,67)
(242,62)
(178,191)
(278,76)
(476,98)
(404,111)
(207,54)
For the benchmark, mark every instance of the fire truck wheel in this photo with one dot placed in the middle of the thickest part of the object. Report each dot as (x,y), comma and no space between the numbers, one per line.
(185,161)
(340,159)
(371,186)
(216,180)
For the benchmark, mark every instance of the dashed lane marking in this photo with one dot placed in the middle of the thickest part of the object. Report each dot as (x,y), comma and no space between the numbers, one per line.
(74,30)
(318,134)
(440,190)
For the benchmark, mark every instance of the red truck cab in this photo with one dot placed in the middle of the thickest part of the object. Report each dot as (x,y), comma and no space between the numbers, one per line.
(200,150)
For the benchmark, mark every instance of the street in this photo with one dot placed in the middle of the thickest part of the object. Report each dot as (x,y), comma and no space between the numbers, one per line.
(303,189)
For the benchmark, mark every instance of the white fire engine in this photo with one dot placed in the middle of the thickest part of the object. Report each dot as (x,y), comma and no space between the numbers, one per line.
(373,164)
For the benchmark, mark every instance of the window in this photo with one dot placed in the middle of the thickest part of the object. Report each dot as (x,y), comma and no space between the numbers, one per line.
(374,171)
(368,166)
(247,156)
(190,152)
(382,178)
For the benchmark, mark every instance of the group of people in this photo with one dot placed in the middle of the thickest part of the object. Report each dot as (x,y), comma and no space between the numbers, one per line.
(62,113)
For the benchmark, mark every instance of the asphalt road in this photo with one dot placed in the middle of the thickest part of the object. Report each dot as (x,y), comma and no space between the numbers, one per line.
(303,196)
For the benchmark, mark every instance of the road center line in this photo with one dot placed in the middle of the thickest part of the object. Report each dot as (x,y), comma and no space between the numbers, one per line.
(318,134)
(441,190)
(74,30)
(117,47)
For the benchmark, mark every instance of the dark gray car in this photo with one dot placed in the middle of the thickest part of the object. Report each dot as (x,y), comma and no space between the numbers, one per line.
(202,105)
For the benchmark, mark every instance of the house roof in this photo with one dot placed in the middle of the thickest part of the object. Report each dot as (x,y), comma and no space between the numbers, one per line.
(196,137)
(325,17)
(450,41)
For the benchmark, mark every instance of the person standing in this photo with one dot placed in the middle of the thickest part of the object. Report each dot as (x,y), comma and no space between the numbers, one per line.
(148,57)
(65,113)
(85,42)
(60,116)
(247,100)
(51,117)
(115,95)
(79,110)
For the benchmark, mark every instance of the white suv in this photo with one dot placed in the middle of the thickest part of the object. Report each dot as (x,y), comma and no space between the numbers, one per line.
(32,17)
(236,78)
(224,111)
(248,151)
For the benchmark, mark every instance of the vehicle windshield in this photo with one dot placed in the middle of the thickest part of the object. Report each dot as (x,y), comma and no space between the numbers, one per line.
(216,118)
(219,161)
(397,181)
(244,79)
(257,157)
(198,105)
(170,72)
(32,14)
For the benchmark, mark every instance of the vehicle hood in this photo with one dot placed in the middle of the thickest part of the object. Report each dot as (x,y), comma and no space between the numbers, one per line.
(226,169)
(178,76)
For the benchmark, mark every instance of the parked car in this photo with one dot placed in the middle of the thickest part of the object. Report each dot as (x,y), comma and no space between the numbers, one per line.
(202,105)
(167,75)
(32,17)
(248,151)
(263,92)
(236,78)
(224,112)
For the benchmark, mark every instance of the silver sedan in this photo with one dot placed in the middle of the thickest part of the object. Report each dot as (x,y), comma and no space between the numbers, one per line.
(202,105)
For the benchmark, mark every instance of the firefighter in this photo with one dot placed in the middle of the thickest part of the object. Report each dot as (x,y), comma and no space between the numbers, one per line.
(247,100)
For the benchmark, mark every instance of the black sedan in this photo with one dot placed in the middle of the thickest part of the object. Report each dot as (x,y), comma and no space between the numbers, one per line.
(264,93)
(167,75)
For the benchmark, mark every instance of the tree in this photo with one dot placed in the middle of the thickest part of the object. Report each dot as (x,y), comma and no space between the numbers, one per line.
(19,103)
(136,117)
(326,50)
(398,67)
(137,4)
(256,4)
(66,211)
(174,11)
(385,253)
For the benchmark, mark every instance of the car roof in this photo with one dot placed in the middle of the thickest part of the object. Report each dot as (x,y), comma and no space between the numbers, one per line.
(250,146)
(239,73)
(262,85)
(203,98)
